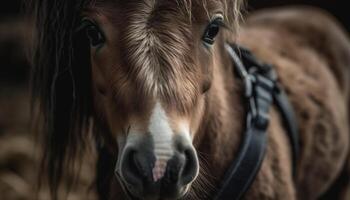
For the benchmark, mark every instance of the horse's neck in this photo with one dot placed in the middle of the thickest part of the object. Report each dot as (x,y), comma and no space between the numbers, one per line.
(225,114)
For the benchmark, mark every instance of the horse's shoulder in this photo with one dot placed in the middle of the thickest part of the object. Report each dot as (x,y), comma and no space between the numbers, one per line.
(308,23)
(296,17)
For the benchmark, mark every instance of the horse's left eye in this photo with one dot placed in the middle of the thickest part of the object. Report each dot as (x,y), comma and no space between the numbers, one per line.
(212,30)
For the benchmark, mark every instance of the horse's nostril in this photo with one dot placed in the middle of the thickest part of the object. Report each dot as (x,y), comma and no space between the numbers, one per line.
(190,169)
(173,172)
(131,168)
(134,165)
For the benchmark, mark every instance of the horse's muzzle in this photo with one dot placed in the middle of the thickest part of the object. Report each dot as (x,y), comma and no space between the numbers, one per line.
(147,176)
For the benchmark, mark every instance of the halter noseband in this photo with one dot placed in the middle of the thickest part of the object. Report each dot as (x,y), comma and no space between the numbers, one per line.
(261,91)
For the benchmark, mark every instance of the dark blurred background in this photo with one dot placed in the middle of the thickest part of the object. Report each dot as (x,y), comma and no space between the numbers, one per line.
(17,158)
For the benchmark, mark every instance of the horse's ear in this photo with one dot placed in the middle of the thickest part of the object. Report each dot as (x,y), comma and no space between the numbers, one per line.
(60,84)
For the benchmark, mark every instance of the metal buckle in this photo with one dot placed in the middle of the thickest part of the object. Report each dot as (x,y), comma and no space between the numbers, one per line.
(260,100)
(251,80)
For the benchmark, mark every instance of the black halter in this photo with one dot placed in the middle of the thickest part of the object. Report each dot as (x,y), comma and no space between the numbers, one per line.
(261,91)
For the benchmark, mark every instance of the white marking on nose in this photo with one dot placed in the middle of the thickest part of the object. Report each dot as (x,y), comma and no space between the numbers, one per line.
(161,132)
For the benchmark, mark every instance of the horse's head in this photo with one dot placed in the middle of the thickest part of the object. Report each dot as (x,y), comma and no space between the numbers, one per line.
(151,66)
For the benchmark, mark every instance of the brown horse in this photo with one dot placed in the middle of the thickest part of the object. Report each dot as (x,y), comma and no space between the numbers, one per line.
(154,81)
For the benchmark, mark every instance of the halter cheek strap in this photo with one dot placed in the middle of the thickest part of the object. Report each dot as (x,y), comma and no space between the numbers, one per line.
(261,91)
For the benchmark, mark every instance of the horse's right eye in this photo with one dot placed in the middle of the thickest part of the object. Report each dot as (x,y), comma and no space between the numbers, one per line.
(93,33)
(95,36)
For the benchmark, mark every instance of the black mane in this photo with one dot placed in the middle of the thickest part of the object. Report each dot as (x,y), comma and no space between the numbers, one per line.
(60,84)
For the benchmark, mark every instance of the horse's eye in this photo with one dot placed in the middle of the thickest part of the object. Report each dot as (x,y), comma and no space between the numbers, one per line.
(212,30)
(95,36)
(93,32)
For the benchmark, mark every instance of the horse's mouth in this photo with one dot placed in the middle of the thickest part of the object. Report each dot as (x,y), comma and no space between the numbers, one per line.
(131,195)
